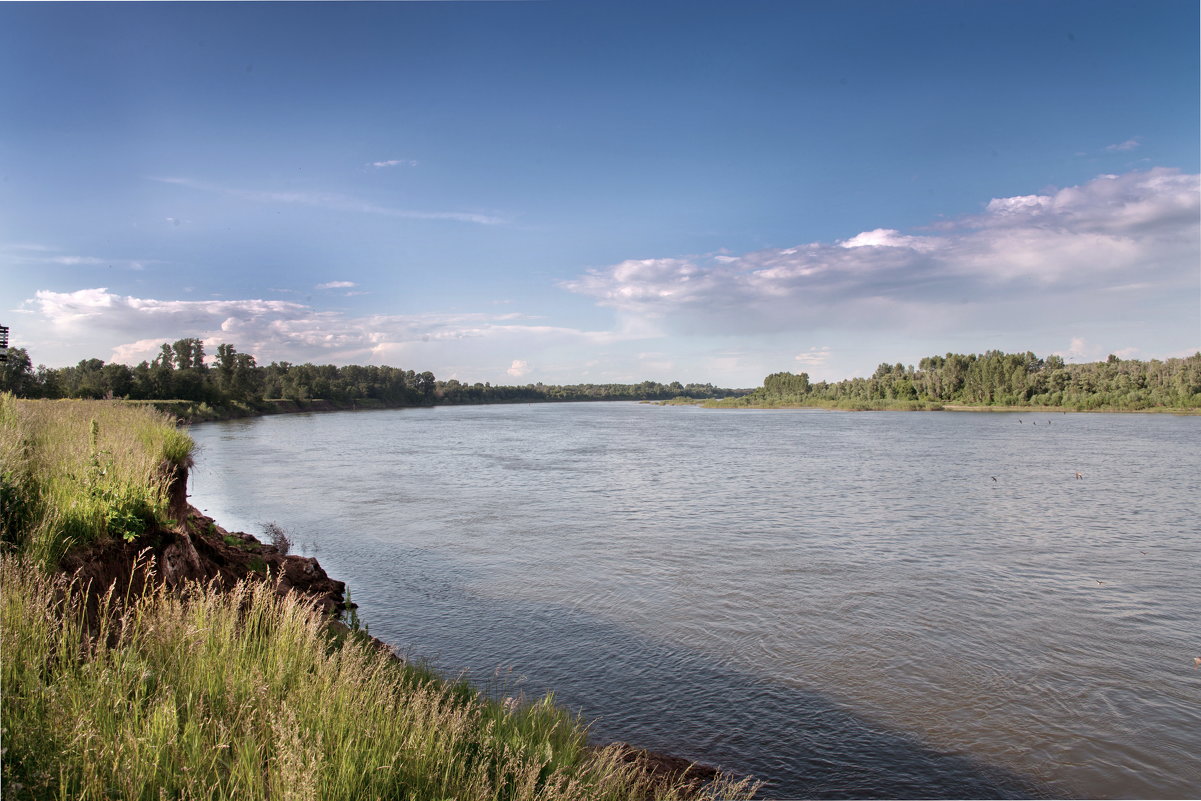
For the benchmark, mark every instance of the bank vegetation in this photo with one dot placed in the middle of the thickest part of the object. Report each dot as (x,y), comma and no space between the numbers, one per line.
(994,380)
(145,689)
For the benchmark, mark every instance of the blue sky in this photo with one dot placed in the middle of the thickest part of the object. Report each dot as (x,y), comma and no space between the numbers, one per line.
(573,191)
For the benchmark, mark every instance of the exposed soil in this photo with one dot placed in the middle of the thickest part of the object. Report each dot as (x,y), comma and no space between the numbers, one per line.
(666,770)
(200,550)
(197,549)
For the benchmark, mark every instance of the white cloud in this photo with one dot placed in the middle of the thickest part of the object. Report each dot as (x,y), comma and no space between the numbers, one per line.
(337,285)
(519,368)
(37,254)
(1133,287)
(99,308)
(815,357)
(395,163)
(1022,204)
(73,260)
(890,238)
(1129,144)
(1116,230)
(1079,351)
(329,200)
(134,352)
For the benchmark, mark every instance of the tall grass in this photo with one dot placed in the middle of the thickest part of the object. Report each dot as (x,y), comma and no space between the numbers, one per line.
(219,695)
(76,471)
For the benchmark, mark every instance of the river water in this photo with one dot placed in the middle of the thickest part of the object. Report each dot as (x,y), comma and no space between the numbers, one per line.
(898,605)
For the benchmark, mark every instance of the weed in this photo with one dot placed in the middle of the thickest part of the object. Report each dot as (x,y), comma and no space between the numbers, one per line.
(278,536)
(351,616)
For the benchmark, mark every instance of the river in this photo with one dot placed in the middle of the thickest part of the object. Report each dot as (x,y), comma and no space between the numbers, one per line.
(898,605)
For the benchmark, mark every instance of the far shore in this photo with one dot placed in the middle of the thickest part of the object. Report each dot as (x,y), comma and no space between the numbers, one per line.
(927,406)
(192,412)
(1064,410)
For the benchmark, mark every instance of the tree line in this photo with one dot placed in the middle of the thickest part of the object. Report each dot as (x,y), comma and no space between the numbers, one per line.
(182,371)
(995,378)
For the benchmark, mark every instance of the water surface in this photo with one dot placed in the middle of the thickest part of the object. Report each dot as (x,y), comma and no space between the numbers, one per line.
(843,604)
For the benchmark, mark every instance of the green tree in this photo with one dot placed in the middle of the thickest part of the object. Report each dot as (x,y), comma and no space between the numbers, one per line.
(16,374)
(117,380)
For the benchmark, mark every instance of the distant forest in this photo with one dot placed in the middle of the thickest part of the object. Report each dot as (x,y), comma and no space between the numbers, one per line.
(182,372)
(997,379)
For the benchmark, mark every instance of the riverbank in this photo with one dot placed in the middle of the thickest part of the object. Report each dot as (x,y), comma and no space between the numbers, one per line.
(188,412)
(1065,410)
(919,406)
(159,652)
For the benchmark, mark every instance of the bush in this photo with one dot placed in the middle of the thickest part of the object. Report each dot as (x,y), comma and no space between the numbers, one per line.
(278,536)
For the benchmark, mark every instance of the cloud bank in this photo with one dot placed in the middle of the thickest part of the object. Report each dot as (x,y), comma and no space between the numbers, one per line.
(1104,260)
(275,329)
(1139,229)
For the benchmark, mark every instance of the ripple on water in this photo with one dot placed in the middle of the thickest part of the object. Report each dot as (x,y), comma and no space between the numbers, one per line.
(844,604)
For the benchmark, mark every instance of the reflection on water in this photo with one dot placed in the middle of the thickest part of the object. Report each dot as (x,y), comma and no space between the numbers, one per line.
(844,604)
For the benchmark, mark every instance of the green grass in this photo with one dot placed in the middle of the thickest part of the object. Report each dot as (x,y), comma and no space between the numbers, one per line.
(242,695)
(73,472)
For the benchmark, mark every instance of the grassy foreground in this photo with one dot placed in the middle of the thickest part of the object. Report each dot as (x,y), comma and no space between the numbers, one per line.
(244,694)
